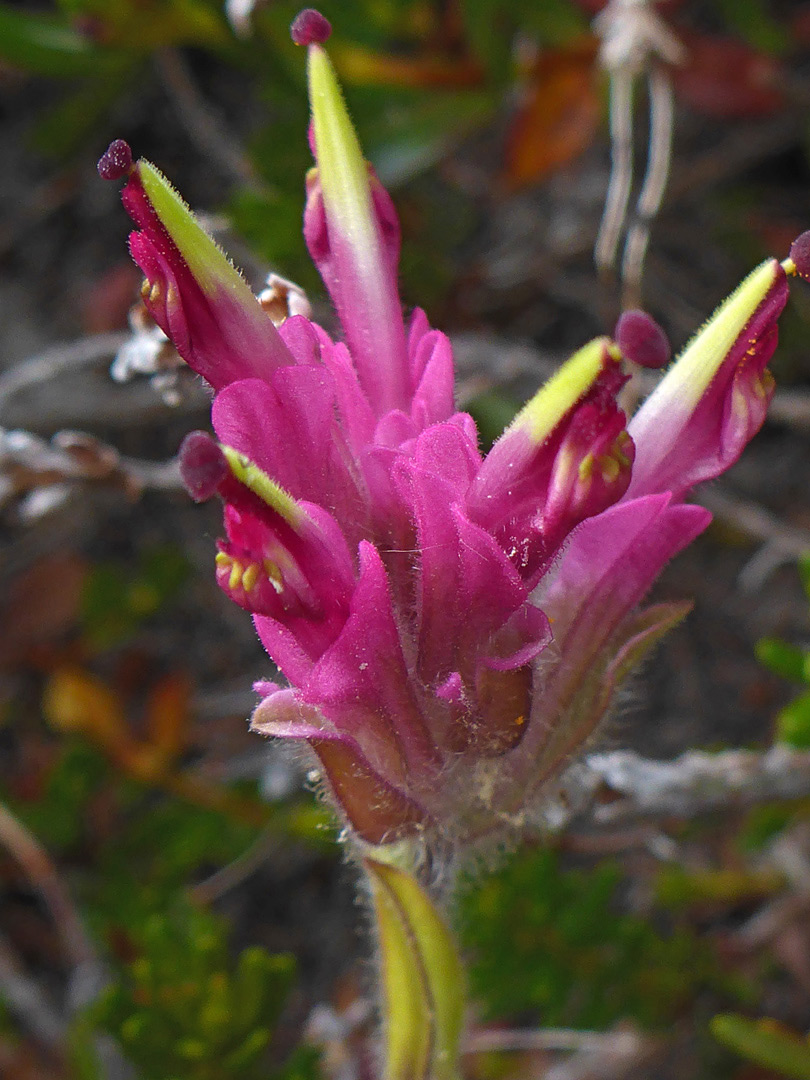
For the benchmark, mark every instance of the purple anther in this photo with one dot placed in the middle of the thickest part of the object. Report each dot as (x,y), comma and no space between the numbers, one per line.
(309,27)
(641,340)
(202,465)
(800,255)
(116,161)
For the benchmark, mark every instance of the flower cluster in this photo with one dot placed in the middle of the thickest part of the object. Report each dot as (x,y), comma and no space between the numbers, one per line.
(452,626)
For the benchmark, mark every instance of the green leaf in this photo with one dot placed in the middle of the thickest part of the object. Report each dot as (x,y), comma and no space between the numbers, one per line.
(78,117)
(47,45)
(492,411)
(554,22)
(490,25)
(178,1009)
(553,942)
(406,132)
(82,1057)
(793,723)
(117,600)
(302,1064)
(753,22)
(783,659)
(763,1042)
(423,981)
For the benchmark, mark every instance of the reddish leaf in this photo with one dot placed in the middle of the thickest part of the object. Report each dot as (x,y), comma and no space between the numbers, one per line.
(362,66)
(42,604)
(167,716)
(76,701)
(559,115)
(728,79)
(800,25)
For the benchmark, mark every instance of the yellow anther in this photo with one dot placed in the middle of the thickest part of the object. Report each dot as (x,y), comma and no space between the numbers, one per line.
(236,576)
(617,450)
(586,468)
(222,559)
(610,468)
(789,266)
(764,385)
(250,577)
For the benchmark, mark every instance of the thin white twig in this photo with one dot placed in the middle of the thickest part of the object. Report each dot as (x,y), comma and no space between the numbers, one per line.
(202,124)
(621,170)
(59,358)
(44,876)
(655,181)
(237,871)
(522,1040)
(27,1002)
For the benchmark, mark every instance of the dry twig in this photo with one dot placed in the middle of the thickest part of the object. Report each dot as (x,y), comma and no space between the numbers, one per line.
(26,1000)
(621,787)
(53,361)
(208,132)
(635,41)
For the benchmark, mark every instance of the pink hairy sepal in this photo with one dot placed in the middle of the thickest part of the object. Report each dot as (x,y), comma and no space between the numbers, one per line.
(376,809)
(678,448)
(366,298)
(222,333)
(531,494)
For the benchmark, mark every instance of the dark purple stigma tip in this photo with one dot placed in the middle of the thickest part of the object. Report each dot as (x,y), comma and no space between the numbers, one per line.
(641,340)
(309,27)
(800,255)
(116,161)
(202,465)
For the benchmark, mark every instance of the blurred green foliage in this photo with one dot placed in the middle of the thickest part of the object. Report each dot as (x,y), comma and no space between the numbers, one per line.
(555,942)
(419,75)
(764,823)
(151,846)
(116,598)
(791,662)
(756,24)
(679,888)
(182,1009)
(766,1043)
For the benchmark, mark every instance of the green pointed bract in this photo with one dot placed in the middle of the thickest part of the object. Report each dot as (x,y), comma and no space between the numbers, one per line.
(765,1043)
(342,169)
(211,268)
(423,981)
(691,374)
(559,395)
(257,481)
(352,233)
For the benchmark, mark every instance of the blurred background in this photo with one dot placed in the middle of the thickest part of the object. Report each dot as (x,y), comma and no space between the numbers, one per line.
(172,900)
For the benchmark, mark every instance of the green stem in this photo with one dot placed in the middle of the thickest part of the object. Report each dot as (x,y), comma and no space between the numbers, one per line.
(422,980)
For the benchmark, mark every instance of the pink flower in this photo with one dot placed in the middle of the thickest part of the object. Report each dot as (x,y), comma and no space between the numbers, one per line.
(452,627)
